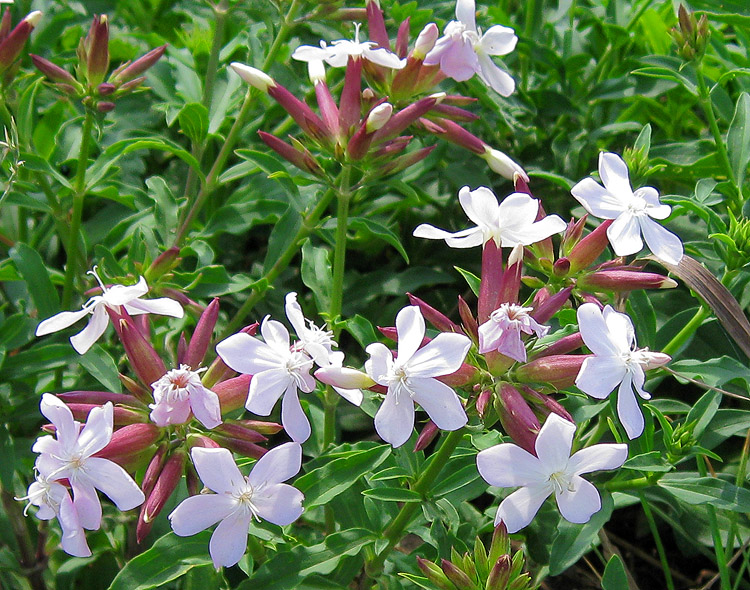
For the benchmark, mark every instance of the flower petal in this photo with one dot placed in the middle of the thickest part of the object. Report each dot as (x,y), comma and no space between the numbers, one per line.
(60,415)
(266,388)
(275,334)
(554,442)
(294,313)
(579,505)
(205,405)
(383,57)
(394,420)
(663,243)
(73,540)
(277,465)
(97,432)
(494,76)
(466,238)
(229,541)
(410,328)
(122,294)
(247,355)
(197,513)
(160,306)
(498,40)
(625,235)
(465,12)
(61,321)
(87,504)
(628,409)
(440,402)
(295,422)
(508,465)
(114,482)
(599,375)
(480,206)
(94,329)
(598,457)
(597,200)
(460,62)
(519,509)
(379,364)
(217,469)
(614,174)
(654,208)
(441,356)
(595,332)
(279,504)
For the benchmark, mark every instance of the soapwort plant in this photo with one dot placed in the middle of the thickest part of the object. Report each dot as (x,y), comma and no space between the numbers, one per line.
(537,348)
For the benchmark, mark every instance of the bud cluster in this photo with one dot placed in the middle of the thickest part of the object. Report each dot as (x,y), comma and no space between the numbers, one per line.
(691,35)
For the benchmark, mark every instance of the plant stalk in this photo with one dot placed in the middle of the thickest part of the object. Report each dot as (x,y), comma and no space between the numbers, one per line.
(657,540)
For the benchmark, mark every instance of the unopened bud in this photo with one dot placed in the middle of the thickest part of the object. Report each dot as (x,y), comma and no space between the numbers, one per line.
(500,543)
(105,107)
(559,371)
(120,416)
(163,263)
(165,484)
(438,319)
(457,576)
(403,162)
(243,447)
(403,118)
(316,71)
(97,58)
(144,360)
(434,574)
(483,402)
(428,434)
(253,76)
(239,431)
(376,25)
(105,89)
(131,71)
(98,398)
(551,305)
(470,323)
(573,234)
(132,439)
(12,44)
(303,161)
(624,280)
(517,418)
(232,393)
(139,391)
(52,71)
(344,377)
(503,164)
(425,41)
(499,574)
(585,252)
(378,117)
(202,335)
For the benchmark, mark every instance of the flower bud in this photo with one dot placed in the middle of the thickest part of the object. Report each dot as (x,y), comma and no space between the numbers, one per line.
(562,346)
(491,280)
(130,71)
(303,160)
(454,113)
(499,574)
(585,252)
(144,360)
(105,107)
(202,334)
(518,421)
(350,105)
(260,426)
(405,117)
(546,404)
(502,164)
(624,280)
(154,468)
(458,577)
(560,371)
(238,431)
(131,440)
(428,434)
(432,315)
(98,398)
(11,44)
(243,447)
(232,393)
(202,441)
(500,544)
(253,76)
(402,38)
(453,132)
(105,89)
(425,41)
(434,574)
(572,235)
(470,323)
(139,391)
(403,162)
(121,416)
(344,377)
(483,402)
(376,25)
(97,50)
(543,312)
(378,117)
(54,72)
(465,375)
(165,484)
(163,263)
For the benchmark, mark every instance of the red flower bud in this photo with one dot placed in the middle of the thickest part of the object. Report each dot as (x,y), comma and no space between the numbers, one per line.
(154,468)
(242,447)
(232,393)
(585,252)
(132,440)
(517,418)
(432,315)
(458,577)
(402,38)
(144,360)
(376,26)
(97,50)
(483,401)
(428,434)
(405,117)
(12,43)
(129,71)
(499,574)
(492,281)
(239,431)
(470,324)
(624,280)
(202,334)
(350,109)
(560,370)
(544,311)
(54,72)
(165,484)
(564,345)
(98,398)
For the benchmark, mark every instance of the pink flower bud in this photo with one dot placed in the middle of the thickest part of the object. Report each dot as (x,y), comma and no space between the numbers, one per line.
(543,312)
(130,71)
(561,267)
(428,434)
(105,107)
(511,281)
(564,345)
(239,431)
(502,164)
(105,89)
(303,161)
(350,108)
(242,447)
(517,418)
(425,41)
(457,577)
(232,393)
(12,44)
(492,281)
(483,401)
(202,441)
(97,50)
(54,72)
(403,162)
(154,468)
(499,574)
(121,416)
(163,263)
(98,398)
(560,371)
(144,360)
(572,235)
(260,426)
(131,440)
(378,117)
(253,76)
(327,105)
(470,323)
(405,117)
(202,335)
(548,404)
(402,38)
(585,252)
(453,132)
(454,113)
(376,26)
(139,391)
(624,280)
(432,315)
(165,484)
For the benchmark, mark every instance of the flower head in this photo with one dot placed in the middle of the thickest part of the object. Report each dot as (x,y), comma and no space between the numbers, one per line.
(237,499)
(502,332)
(112,297)
(633,211)
(552,470)
(509,223)
(463,50)
(337,55)
(179,392)
(70,455)
(616,361)
(316,342)
(411,378)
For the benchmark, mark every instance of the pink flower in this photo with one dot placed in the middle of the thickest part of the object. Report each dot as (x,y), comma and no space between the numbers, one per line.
(179,392)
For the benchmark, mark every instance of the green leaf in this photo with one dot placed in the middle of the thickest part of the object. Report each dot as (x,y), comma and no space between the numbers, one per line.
(472,279)
(648,463)
(328,481)
(282,236)
(38,358)
(165,206)
(707,490)
(36,276)
(574,540)
(714,372)
(732,11)
(362,330)
(393,495)
(101,365)
(703,412)
(316,273)
(380,231)
(738,138)
(170,558)
(614,577)
(193,121)
(275,169)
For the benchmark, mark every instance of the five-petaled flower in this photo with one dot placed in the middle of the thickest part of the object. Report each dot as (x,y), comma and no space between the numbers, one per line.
(633,211)
(552,470)
(238,499)
(338,53)
(113,297)
(502,332)
(617,361)
(69,456)
(411,378)
(180,391)
(463,51)
(509,223)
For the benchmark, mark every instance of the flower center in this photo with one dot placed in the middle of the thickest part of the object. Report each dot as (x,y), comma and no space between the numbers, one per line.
(637,205)
(511,313)
(173,386)
(398,382)
(561,482)
(244,498)
(295,364)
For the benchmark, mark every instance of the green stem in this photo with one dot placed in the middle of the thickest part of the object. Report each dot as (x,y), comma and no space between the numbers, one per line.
(708,110)
(309,223)
(79,192)
(721,562)
(679,339)
(739,480)
(226,149)
(629,484)
(657,539)
(395,530)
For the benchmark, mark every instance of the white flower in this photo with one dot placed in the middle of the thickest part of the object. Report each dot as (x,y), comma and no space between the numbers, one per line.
(410,378)
(54,501)
(616,361)
(277,370)
(337,55)
(70,456)
(238,499)
(509,223)
(633,212)
(113,297)
(179,392)
(316,342)
(463,51)
(502,332)
(553,470)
